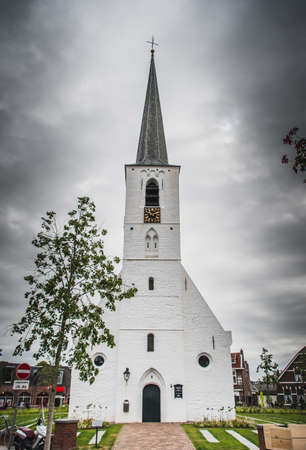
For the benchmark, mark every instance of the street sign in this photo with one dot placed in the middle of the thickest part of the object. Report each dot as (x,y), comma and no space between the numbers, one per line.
(21,385)
(23,371)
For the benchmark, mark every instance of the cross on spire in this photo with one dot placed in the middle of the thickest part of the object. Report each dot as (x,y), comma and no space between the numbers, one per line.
(152,42)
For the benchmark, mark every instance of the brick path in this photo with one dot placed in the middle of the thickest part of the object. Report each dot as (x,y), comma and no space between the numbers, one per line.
(153,436)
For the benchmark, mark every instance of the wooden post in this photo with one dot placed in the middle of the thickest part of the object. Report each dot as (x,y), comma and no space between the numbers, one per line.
(261,438)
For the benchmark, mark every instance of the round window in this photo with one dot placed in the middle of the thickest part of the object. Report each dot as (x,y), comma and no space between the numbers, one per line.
(99,360)
(204,361)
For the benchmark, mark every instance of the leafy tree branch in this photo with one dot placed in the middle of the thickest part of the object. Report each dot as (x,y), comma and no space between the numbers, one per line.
(298,144)
(71,270)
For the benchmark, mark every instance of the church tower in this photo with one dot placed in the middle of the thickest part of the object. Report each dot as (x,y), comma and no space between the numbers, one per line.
(172,361)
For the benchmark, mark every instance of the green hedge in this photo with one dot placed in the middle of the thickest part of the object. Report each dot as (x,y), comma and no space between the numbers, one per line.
(258,410)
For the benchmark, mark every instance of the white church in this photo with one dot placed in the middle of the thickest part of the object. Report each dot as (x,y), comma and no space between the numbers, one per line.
(171,362)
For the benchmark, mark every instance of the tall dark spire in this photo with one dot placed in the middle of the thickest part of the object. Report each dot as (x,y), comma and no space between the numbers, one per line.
(152,148)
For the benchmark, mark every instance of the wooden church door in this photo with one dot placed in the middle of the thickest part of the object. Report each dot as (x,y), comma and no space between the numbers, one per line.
(151,403)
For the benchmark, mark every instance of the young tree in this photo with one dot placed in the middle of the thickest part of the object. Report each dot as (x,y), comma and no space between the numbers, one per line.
(62,316)
(269,368)
(299,145)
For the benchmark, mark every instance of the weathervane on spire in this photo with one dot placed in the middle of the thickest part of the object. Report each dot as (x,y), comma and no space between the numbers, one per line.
(152,44)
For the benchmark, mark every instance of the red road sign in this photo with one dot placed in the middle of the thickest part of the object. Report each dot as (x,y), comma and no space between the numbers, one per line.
(23,371)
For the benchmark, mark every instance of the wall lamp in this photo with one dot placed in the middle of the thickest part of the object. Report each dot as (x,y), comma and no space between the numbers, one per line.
(126,374)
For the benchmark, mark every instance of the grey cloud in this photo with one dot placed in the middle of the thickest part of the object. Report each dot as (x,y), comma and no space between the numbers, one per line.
(232,80)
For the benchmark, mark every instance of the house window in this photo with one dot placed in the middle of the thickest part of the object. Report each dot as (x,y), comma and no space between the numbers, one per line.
(8,374)
(234,377)
(60,376)
(35,376)
(298,377)
(298,374)
(42,399)
(99,360)
(24,398)
(150,342)
(151,284)
(288,399)
(152,193)
(233,359)
(203,361)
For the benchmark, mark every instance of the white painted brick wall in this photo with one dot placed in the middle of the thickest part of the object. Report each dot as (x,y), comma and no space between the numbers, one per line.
(168,181)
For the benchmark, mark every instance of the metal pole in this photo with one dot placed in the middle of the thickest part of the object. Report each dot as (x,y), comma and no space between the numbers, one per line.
(12,427)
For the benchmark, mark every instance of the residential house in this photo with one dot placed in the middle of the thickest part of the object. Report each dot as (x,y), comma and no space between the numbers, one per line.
(291,389)
(241,379)
(38,392)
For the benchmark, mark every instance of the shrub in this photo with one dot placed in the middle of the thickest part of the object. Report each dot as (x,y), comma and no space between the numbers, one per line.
(237,423)
(85,423)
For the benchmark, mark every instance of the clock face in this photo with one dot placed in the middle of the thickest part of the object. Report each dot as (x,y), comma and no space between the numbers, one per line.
(152,215)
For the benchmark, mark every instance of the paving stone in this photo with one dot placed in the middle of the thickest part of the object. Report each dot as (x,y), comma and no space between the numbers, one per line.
(93,439)
(243,440)
(153,436)
(208,436)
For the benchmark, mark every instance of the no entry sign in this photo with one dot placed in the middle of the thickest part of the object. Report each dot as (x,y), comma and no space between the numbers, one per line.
(23,371)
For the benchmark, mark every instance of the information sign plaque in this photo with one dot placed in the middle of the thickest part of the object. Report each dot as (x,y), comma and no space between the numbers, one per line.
(178,391)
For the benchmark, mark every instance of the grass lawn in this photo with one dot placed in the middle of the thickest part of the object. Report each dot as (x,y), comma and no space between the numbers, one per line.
(226,441)
(107,441)
(282,418)
(26,417)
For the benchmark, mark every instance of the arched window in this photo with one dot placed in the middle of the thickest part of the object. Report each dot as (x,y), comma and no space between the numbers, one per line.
(155,243)
(151,243)
(152,193)
(151,284)
(150,342)
(148,242)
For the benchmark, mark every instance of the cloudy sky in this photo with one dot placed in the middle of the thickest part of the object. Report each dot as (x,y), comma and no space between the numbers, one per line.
(232,80)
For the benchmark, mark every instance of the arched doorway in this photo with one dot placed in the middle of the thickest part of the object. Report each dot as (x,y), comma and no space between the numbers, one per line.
(151,403)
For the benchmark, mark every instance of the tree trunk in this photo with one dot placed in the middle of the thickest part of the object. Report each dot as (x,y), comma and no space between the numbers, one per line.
(53,388)
(50,417)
